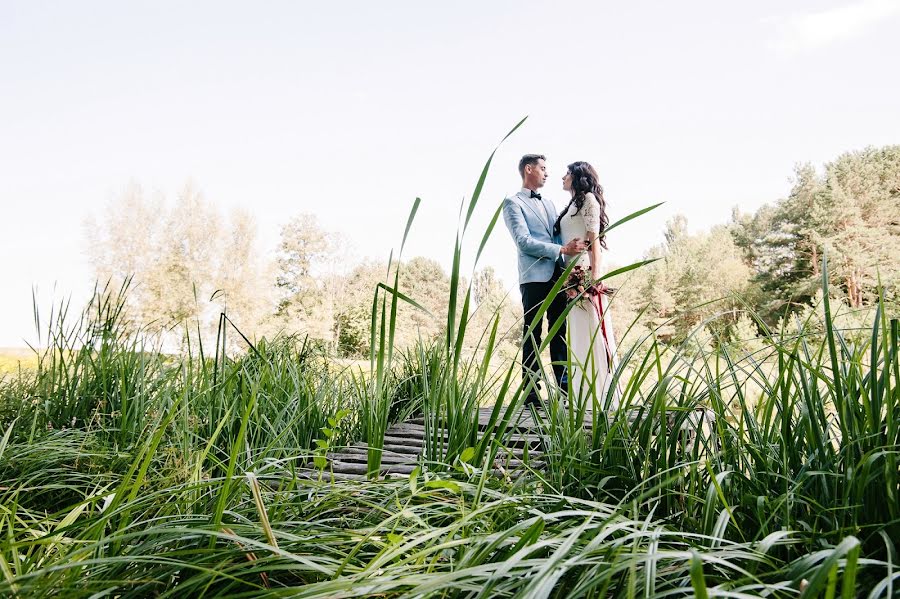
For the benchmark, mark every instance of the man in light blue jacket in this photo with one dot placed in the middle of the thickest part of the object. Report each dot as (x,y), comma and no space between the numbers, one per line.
(530,219)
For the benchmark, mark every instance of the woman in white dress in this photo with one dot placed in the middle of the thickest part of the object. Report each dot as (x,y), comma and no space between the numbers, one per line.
(592,346)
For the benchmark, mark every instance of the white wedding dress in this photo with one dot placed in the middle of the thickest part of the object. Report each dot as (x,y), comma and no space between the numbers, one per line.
(592,345)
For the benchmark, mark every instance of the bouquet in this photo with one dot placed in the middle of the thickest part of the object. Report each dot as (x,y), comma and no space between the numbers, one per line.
(580,282)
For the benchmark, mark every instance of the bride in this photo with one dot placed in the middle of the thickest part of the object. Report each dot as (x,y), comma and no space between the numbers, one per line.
(592,346)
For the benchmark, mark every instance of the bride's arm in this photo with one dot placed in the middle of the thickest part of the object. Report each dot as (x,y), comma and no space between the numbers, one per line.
(594,254)
(591,210)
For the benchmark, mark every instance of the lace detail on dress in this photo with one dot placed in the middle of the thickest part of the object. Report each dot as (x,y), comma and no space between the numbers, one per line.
(590,211)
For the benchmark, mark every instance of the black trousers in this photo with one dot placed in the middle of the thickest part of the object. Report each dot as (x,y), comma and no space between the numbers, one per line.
(533,295)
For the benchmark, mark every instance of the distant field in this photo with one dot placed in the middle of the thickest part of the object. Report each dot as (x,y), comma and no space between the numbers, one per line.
(12,358)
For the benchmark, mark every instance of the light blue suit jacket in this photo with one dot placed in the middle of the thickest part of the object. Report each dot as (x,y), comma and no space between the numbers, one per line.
(530,223)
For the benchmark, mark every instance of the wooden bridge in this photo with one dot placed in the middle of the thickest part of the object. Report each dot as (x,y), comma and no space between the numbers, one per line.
(404,444)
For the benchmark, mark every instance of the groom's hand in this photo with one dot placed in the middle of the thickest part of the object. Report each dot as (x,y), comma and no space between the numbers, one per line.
(573,248)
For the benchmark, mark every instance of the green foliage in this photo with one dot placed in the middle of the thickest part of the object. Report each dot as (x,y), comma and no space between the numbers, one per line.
(851,211)
(694,278)
(794,494)
(330,434)
(769,261)
(100,376)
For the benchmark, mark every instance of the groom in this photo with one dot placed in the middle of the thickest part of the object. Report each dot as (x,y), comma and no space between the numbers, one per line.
(530,219)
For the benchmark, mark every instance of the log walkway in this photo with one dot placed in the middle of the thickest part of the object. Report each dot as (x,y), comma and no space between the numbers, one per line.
(404,444)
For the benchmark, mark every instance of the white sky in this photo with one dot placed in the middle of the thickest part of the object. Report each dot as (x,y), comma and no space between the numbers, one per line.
(352,109)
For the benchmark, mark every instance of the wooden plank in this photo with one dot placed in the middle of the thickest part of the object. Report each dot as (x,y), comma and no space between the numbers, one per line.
(406,449)
(362,453)
(402,440)
(356,468)
(384,451)
(412,431)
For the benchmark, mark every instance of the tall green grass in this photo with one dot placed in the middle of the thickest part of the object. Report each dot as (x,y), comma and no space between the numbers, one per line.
(816,451)
(128,472)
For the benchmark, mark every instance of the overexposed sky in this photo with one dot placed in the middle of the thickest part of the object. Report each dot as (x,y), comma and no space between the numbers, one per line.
(352,109)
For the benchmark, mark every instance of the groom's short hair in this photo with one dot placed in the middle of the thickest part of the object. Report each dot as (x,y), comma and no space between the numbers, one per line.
(529,159)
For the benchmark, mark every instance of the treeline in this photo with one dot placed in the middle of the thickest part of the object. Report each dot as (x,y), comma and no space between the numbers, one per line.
(768,263)
(187,262)
(190,262)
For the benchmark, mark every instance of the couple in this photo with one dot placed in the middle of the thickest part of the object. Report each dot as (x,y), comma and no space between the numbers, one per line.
(547,243)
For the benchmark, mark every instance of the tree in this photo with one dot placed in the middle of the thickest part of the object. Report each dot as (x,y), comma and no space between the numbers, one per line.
(863,236)
(353,306)
(421,279)
(486,286)
(185,271)
(311,268)
(179,257)
(851,213)
(303,244)
(694,278)
(491,300)
(128,239)
(243,276)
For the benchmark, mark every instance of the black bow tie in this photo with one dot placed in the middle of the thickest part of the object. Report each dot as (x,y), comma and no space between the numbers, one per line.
(534,194)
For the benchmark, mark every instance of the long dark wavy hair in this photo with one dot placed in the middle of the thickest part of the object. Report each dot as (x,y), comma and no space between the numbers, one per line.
(585,180)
